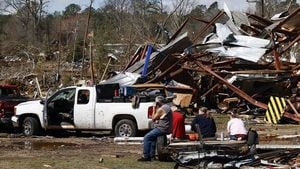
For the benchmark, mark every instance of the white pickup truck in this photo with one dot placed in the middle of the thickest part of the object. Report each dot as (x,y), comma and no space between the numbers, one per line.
(101,107)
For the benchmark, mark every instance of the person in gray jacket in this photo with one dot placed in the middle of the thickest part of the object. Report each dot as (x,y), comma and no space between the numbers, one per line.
(162,119)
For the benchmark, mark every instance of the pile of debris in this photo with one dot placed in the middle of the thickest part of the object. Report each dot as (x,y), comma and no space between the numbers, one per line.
(266,159)
(241,64)
(248,63)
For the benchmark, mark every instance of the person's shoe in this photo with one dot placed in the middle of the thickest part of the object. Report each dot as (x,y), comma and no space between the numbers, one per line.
(144,159)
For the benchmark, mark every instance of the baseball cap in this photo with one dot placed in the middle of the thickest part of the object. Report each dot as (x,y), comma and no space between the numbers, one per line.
(159,99)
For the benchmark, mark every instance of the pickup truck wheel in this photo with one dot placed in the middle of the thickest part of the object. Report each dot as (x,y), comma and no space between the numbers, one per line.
(125,128)
(30,126)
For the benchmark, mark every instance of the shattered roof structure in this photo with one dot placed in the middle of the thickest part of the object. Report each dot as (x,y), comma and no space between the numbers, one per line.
(123,78)
(247,54)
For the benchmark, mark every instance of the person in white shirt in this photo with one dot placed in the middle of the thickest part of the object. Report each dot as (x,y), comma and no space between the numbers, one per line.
(236,128)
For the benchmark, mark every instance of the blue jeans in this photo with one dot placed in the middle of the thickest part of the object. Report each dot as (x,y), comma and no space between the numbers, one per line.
(150,142)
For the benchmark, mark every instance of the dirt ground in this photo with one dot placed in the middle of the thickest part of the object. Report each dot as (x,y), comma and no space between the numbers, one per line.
(69,151)
(97,150)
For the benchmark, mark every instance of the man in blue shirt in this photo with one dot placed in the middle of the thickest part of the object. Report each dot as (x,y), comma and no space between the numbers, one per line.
(206,123)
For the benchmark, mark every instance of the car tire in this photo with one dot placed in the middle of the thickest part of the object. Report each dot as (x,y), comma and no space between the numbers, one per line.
(31,126)
(125,128)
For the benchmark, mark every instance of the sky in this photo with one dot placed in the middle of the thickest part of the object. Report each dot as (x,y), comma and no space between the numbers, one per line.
(59,5)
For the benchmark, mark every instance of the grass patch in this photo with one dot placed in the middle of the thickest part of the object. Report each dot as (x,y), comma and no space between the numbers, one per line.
(130,162)
(84,160)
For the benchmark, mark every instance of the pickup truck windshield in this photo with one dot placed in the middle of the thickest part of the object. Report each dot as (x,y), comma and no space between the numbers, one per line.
(66,95)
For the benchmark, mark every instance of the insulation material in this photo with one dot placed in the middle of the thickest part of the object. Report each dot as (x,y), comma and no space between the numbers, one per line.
(183,100)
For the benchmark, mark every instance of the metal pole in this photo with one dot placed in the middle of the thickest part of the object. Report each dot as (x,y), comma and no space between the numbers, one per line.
(59,54)
(38,87)
(74,44)
(91,58)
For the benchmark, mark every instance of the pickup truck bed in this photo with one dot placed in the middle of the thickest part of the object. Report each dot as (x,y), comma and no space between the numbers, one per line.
(9,98)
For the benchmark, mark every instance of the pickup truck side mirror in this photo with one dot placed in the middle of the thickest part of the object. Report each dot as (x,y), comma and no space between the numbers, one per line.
(42,101)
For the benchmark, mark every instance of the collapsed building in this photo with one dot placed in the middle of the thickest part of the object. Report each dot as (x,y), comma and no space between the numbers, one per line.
(247,63)
(242,63)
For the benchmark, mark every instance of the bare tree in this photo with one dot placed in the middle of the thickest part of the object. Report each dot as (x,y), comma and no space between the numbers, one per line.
(268,8)
(28,12)
(184,8)
(168,18)
(85,38)
(119,5)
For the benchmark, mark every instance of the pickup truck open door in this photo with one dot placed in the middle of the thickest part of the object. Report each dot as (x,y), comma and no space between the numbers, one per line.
(58,109)
(45,116)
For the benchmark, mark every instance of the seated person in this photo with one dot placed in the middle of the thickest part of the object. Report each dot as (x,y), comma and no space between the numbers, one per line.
(178,128)
(206,123)
(236,127)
